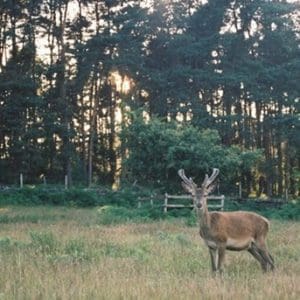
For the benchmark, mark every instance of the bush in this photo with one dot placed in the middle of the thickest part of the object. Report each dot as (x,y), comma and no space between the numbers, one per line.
(111,215)
(44,196)
(157,149)
(121,206)
(44,242)
(125,197)
(78,250)
(288,211)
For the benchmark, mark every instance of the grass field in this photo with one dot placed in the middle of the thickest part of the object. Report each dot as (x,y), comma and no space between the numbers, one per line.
(65,253)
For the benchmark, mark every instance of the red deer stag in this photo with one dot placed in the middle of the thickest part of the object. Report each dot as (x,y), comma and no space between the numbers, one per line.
(237,231)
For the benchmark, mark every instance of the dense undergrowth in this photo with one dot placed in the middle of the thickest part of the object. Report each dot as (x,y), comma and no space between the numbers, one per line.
(120,206)
(78,197)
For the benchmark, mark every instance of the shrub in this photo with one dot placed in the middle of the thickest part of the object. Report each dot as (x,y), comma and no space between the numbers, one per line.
(289,211)
(44,242)
(5,219)
(157,149)
(77,249)
(42,196)
(110,215)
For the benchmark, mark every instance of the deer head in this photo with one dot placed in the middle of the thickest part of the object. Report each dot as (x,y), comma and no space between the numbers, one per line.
(199,194)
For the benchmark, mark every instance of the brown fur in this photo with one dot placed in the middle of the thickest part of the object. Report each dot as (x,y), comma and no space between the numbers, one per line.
(235,231)
(221,231)
(237,225)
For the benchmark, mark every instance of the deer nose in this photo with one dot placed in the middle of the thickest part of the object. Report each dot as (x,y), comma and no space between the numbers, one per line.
(199,205)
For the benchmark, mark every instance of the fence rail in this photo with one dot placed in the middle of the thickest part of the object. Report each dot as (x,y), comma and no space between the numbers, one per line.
(270,203)
(168,197)
(166,201)
(21,182)
(184,204)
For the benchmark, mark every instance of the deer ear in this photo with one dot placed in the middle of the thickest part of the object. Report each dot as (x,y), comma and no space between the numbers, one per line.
(187,188)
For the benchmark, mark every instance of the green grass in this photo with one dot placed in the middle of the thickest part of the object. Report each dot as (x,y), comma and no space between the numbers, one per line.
(72,253)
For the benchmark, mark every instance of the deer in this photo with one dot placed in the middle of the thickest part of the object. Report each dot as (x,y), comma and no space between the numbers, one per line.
(221,231)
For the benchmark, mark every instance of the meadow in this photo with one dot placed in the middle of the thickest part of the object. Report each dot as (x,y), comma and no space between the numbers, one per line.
(70,253)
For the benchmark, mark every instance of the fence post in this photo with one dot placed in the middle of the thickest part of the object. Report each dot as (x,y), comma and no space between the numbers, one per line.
(166,203)
(66,182)
(21,180)
(222,202)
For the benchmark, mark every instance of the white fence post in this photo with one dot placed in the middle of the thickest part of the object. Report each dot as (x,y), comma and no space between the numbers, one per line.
(151,200)
(240,190)
(166,203)
(222,202)
(21,180)
(66,182)
(145,199)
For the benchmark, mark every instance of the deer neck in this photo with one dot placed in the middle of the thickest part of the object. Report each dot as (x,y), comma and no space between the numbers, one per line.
(204,220)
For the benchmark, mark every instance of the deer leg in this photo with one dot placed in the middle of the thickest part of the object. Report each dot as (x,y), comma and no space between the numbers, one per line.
(261,248)
(265,253)
(214,256)
(272,259)
(254,252)
(221,254)
(268,258)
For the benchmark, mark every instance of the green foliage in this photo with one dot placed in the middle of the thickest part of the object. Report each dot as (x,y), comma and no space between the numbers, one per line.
(117,207)
(44,242)
(288,211)
(194,59)
(112,215)
(120,251)
(77,249)
(5,219)
(158,149)
(126,197)
(8,244)
(250,160)
(44,196)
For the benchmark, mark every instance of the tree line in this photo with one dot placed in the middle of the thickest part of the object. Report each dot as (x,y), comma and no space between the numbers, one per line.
(74,72)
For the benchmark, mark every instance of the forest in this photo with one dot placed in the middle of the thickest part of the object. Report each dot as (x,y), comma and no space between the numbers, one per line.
(113,92)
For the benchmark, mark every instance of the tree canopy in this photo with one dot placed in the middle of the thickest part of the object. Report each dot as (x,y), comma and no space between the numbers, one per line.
(216,81)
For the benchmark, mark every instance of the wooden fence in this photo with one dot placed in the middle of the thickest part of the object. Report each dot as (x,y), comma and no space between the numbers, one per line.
(149,199)
(41,181)
(190,203)
(185,201)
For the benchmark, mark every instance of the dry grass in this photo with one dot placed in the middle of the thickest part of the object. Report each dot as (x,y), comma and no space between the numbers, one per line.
(61,253)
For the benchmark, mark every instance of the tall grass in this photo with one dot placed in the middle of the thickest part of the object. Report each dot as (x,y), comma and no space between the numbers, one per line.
(68,253)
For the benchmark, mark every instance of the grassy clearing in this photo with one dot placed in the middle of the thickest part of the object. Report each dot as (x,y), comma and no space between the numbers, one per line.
(67,253)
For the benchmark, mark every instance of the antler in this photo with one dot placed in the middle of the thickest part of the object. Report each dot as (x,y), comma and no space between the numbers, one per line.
(209,180)
(188,181)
